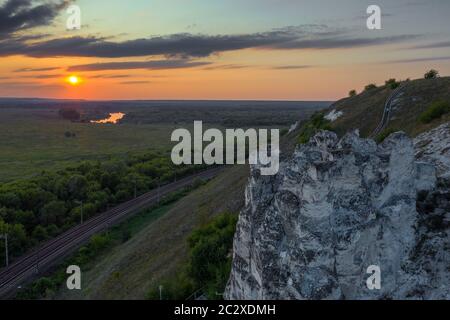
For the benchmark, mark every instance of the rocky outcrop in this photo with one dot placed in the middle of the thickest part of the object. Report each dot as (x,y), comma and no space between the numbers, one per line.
(434,147)
(334,209)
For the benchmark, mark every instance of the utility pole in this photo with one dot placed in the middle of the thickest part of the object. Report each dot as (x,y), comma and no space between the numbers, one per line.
(5,237)
(135,189)
(160,292)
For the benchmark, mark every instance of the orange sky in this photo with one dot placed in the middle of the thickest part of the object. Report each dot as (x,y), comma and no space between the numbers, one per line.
(268,72)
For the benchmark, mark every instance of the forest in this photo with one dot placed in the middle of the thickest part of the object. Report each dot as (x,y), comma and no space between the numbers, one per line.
(36,209)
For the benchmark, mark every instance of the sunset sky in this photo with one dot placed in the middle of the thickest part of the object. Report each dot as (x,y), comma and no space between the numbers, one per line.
(217,49)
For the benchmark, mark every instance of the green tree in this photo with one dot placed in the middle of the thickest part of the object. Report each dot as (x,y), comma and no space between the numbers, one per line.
(39,233)
(53,212)
(432,74)
(76,187)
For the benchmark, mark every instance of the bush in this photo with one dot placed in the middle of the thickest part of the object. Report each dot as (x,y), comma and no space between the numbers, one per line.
(352,93)
(370,87)
(392,83)
(432,74)
(316,123)
(434,111)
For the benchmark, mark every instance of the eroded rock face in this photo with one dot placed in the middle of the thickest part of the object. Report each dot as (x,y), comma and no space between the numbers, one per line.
(334,209)
(434,147)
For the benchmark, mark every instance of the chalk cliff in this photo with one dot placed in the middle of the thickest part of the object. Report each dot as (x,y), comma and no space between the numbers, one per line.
(338,206)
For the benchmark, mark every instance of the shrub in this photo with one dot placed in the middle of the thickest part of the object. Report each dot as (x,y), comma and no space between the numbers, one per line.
(352,93)
(434,111)
(432,74)
(392,83)
(370,87)
(316,123)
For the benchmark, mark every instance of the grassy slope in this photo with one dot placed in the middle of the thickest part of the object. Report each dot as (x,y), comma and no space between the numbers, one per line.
(365,110)
(156,251)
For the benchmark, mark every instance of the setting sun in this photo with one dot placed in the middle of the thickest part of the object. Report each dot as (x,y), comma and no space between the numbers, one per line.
(73,80)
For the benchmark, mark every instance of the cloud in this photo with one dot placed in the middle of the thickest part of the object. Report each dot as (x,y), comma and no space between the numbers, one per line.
(110,76)
(149,65)
(36,69)
(19,15)
(28,85)
(186,45)
(226,67)
(435,45)
(419,59)
(292,67)
(339,43)
(42,76)
(135,82)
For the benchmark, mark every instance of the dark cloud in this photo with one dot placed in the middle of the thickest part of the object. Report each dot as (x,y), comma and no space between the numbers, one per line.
(135,82)
(190,45)
(17,83)
(19,15)
(110,76)
(36,69)
(149,65)
(42,76)
(292,67)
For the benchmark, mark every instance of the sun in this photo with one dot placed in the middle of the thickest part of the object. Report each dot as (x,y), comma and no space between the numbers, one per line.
(73,80)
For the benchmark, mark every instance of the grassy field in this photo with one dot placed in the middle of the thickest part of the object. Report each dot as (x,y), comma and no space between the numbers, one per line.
(35,141)
(34,138)
(158,244)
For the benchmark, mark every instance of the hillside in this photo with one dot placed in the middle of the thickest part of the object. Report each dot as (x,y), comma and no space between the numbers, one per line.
(364,111)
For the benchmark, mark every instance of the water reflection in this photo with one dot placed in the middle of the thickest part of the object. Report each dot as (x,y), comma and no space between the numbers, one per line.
(113,118)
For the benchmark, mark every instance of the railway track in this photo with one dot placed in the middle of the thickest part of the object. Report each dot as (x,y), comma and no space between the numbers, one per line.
(50,253)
